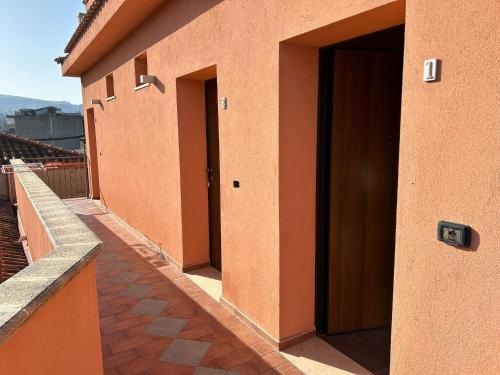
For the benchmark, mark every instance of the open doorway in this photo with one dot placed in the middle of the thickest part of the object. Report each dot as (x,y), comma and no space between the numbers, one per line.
(92,155)
(213,172)
(358,148)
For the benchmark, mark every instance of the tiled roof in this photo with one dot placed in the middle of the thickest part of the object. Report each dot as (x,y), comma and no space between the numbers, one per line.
(12,258)
(87,19)
(16,147)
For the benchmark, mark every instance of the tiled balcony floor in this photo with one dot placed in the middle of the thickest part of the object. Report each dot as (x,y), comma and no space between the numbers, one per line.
(154,320)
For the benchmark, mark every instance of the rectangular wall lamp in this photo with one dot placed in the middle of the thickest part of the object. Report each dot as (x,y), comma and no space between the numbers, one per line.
(147,79)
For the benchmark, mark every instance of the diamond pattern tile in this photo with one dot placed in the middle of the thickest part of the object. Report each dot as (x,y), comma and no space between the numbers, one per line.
(136,290)
(186,352)
(165,326)
(154,320)
(149,306)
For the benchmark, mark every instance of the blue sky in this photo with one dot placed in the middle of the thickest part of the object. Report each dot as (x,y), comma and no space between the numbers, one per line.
(32,34)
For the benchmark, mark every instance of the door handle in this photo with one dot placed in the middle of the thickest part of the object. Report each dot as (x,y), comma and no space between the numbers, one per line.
(210,175)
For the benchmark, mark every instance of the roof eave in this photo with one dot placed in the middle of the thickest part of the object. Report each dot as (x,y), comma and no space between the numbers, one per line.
(110,23)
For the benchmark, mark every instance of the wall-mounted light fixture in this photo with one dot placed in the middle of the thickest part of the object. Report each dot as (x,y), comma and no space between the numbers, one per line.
(147,79)
(95,101)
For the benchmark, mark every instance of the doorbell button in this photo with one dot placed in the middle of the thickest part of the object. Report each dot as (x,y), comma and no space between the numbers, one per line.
(454,234)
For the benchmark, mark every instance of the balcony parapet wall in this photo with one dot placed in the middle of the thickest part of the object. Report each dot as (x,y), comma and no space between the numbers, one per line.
(70,247)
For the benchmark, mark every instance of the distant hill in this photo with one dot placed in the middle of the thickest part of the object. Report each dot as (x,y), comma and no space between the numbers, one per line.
(9,104)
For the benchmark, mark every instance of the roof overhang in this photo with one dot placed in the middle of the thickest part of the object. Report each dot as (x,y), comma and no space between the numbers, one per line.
(111,24)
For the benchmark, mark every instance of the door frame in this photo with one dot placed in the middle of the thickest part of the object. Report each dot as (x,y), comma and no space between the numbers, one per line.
(92,154)
(323,164)
(215,259)
(326,81)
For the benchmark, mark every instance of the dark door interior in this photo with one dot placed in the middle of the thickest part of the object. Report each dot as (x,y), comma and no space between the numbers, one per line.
(92,154)
(363,186)
(213,171)
(358,150)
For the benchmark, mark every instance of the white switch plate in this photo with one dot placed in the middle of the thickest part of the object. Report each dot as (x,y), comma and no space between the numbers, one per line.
(430,70)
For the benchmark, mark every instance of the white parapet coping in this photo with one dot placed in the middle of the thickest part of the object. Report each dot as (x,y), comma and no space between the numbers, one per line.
(74,246)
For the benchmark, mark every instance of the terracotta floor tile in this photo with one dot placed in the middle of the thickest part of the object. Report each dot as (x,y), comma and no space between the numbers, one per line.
(213,371)
(200,320)
(130,278)
(136,290)
(137,330)
(288,369)
(186,352)
(234,358)
(196,332)
(245,369)
(129,343)
(172,368)
(126,277)
(128,315)
(113,310)
(139,365)
(106,352)
(158,345)
(111,371)
(149,306)
(118,359)
(107,320)
(165,326)
(111,290)
(216,350)
(262,347)
(120,325)
(111,337)
(123,300)
(274,359)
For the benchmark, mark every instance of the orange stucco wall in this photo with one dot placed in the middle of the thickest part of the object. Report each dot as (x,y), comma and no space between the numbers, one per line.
(62,337)
(446,300)
(266,59)
(193,170)
(297,185)
(39,242)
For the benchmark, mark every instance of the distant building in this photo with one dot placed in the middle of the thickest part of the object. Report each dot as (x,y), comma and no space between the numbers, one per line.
(16,147)
(49,125)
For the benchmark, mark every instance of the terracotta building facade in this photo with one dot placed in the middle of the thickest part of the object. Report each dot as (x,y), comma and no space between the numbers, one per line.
(308,150)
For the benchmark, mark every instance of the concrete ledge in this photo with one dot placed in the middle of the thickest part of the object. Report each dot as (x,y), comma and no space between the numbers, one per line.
(75,245)
(140,87)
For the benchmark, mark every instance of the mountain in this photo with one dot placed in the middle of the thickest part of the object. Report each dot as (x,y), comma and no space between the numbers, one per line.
(9,104)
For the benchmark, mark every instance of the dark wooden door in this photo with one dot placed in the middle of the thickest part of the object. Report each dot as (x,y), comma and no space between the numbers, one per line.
(92,161)
(213,171)
(363,186)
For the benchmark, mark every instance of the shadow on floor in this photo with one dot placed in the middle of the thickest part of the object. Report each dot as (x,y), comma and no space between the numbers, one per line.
(130,276)
(370,348)
(126,261)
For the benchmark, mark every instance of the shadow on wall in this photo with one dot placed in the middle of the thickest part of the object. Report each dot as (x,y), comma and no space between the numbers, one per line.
(178,13)
(159,85)
(475,240)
